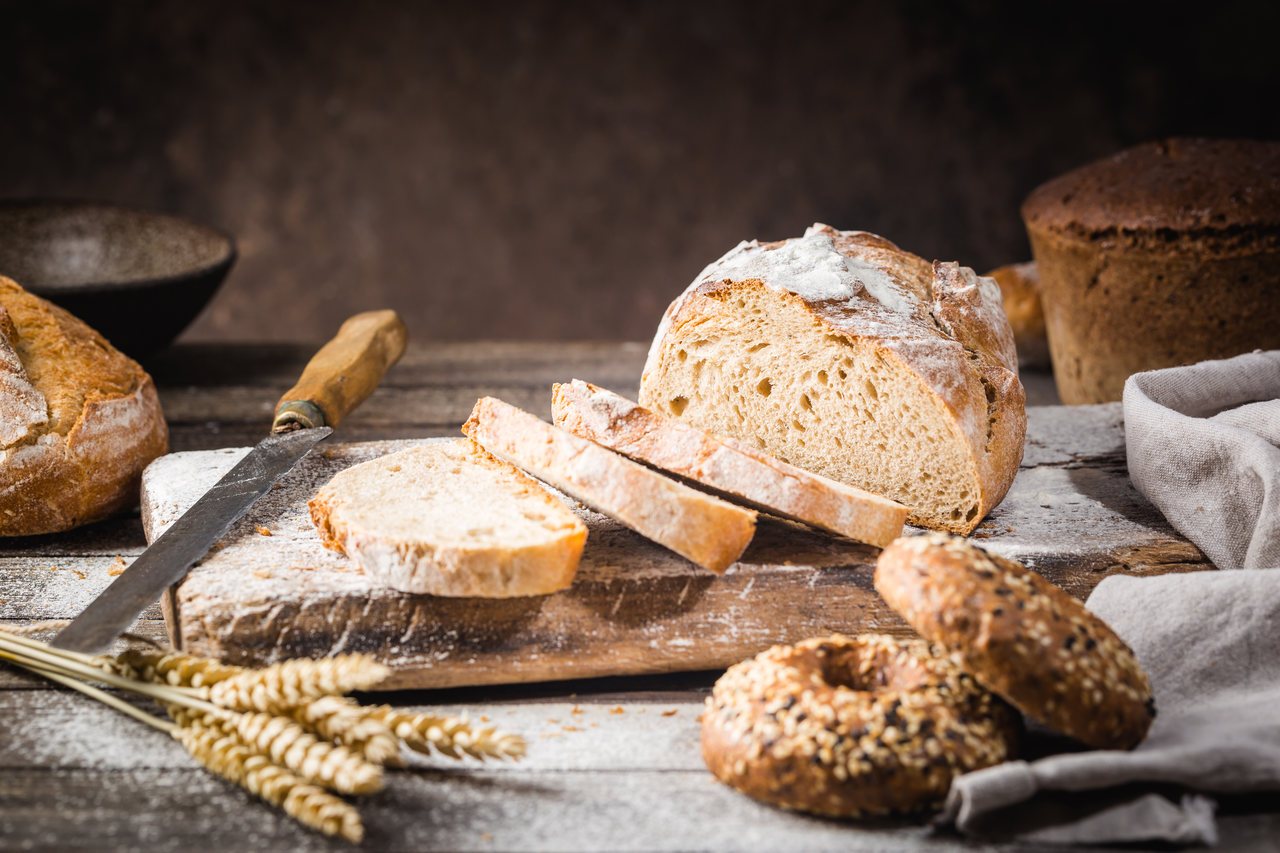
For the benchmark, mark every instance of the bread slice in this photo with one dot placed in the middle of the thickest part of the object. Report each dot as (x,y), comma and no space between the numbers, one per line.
(697,526)
(725,465)
(844,355)
(448,519)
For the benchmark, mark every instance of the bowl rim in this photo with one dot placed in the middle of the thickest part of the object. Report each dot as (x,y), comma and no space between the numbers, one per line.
(225,259)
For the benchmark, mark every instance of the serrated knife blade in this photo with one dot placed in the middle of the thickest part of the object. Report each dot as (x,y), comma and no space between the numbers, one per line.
(336,380)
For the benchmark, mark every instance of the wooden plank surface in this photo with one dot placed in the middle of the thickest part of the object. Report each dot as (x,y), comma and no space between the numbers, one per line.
(76,777)
(270,591)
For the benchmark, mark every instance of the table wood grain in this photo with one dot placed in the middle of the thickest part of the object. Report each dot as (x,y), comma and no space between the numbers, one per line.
(613,762)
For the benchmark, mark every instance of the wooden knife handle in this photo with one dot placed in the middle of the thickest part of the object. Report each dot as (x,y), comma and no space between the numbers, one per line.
(343,373)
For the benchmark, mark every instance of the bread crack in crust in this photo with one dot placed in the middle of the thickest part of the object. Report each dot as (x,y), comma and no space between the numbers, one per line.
(842,354)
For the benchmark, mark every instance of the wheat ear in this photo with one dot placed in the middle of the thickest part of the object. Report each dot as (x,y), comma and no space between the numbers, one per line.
(174,668)
(451,736)
(345,721)
(283,686)
(286,743)
(226,756)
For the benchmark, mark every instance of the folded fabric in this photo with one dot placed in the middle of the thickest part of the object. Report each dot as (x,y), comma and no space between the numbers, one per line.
(1203,445)
(1210,642)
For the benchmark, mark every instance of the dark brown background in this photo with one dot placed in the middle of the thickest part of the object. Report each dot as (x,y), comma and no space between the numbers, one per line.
(562,170)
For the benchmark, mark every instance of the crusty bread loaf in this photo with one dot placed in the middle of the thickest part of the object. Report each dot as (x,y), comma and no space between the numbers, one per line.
(733,470)
(842,354)
(1163,254)
(78,419)
(697,526)
(1020,292)
(449,519)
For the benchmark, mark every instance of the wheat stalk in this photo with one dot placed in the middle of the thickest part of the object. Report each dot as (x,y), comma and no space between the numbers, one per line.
(284,733)
(294,748)
(283,686)
(345,721)
(451,736)
(176,668)
(228,757)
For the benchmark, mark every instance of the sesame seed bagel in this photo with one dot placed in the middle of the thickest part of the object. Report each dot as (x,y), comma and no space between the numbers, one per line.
(1021,637)
(850,726)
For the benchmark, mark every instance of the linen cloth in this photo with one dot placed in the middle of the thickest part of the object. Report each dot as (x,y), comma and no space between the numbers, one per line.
(1203,444)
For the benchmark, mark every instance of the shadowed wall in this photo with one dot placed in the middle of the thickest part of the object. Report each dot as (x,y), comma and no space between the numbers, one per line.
(562,170)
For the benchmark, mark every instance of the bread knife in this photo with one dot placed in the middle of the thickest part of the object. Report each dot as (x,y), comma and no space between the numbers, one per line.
(337,379)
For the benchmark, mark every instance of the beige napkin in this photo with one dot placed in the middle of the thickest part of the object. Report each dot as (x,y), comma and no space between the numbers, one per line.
(1204,446)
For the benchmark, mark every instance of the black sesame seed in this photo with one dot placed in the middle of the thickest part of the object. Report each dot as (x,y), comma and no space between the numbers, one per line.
(1003,590)
(1090,643)
(1069,642)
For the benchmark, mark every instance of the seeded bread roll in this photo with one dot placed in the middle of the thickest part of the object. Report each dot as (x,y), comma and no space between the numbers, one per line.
(697,526)
(732,470)
(449,519)
(840,353)
(1020,637)
(79,420)
(852,726)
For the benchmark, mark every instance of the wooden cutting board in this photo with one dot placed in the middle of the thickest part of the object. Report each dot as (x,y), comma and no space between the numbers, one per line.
(269,590)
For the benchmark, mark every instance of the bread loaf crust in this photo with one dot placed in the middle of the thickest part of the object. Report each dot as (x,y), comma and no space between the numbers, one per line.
(1164,254)
(102,423)
(938,321)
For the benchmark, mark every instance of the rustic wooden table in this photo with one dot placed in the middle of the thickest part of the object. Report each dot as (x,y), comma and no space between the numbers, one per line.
(613,763)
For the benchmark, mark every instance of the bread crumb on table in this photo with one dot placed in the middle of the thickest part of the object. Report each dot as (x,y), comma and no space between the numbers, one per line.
(262,531)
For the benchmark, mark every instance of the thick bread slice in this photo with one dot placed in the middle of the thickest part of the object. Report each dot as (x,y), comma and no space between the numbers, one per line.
(842,354)
(449,519)
(697,526)
(729,467)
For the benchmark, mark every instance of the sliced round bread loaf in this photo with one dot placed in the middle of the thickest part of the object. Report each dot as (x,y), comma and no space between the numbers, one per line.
(448,518)
(842,354)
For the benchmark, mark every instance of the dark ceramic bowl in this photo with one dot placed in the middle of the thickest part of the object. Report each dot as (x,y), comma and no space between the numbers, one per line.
(136,276)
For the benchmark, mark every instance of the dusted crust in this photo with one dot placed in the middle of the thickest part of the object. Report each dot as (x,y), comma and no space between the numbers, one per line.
(938,324)
(1158,194)
(1021,637)
(851,726)
(82,461)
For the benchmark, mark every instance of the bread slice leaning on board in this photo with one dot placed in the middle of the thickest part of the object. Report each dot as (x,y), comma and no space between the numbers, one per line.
(701,528)
(724,465)
(844,355)
(447,518)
